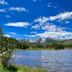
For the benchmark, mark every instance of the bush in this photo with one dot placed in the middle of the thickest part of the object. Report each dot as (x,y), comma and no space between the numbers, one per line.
(58,46)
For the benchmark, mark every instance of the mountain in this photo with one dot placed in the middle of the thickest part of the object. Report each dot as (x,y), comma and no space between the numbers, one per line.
(67,42)
(51,41)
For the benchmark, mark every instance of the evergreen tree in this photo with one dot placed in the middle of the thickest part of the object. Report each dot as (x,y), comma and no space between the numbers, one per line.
(1,32)
(1,35)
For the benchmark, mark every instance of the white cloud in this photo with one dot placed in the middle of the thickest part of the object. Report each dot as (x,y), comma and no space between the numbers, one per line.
(19,9)
(2,10)
(45,23)
(18,24)
(52,28)
(3,2)
(48,27)
(36,26)
(41,20)
(61,16)
(7,35)
(55,35)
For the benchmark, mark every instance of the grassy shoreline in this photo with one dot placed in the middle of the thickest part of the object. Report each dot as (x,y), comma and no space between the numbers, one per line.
(21,69)
(44,49)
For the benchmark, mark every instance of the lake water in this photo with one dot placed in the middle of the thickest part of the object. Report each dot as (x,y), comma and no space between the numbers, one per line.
(52,60)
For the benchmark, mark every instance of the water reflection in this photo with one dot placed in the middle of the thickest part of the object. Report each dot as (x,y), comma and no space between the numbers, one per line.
(57,61)
(28,58)
(52,60)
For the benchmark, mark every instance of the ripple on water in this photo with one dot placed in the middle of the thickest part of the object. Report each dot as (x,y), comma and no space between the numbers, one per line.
(52,60)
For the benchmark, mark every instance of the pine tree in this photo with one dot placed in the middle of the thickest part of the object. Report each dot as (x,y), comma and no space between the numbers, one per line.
(1,32)
(1,35)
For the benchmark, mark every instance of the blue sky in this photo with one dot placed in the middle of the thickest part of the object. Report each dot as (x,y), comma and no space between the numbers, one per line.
(36,18)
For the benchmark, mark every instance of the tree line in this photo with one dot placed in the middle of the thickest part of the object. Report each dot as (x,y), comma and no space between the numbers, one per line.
(11,43)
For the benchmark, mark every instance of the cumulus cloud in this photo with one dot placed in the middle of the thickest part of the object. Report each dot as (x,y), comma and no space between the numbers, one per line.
(41,20)
(45,23)
(61,16)
(18,24)
(3,2)
(36,27)
(55,35)
(52,28)
(49,27)
(19,9)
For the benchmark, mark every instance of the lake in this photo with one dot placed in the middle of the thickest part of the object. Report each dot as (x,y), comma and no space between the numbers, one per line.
(52,60)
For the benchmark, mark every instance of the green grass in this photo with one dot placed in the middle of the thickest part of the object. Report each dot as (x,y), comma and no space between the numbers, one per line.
(20,69)
(2,69)
(28,69)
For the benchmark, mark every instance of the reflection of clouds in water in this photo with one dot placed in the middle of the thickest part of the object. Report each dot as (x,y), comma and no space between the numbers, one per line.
(32,57)
(24,56)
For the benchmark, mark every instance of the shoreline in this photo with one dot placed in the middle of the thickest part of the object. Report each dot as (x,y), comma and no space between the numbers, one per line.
(44,49)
